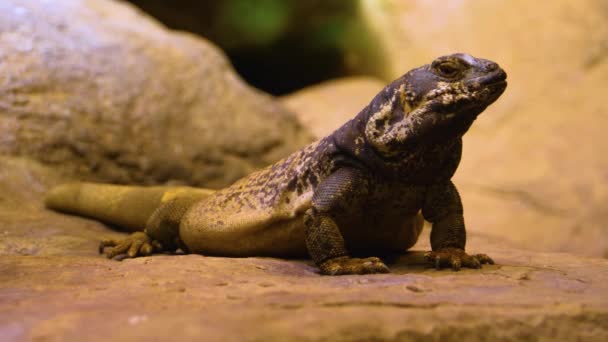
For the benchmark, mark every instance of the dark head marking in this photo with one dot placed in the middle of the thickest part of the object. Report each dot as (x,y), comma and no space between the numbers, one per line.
(435,101)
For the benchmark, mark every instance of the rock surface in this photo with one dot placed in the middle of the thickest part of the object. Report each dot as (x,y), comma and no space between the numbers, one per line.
(102,92)
(54,287)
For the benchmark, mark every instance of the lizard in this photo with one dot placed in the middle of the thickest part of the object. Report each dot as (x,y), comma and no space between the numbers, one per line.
(359,193)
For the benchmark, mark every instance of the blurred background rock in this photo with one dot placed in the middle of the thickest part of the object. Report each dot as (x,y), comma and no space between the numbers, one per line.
(100,92)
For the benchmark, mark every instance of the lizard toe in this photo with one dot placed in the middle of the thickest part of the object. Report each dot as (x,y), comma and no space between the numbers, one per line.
(484,259)
(107,243)
(456,263)
(146,249)
(456,259)
(121,248)
(380,268)
(134,250)
(346,265)
(471,262)
(136,244)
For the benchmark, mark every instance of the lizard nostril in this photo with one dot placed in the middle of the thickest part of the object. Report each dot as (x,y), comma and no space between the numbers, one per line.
(491,66)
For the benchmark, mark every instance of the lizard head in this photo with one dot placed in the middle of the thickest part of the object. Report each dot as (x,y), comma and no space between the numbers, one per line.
(433,102)
(454,84)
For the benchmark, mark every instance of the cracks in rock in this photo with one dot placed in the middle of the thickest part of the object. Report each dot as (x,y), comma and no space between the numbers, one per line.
(357,303)
(520,195)
(381,304)
(402,305)
(531,270)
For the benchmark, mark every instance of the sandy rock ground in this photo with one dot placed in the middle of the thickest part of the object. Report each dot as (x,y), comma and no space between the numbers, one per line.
(55,287)
(62,290)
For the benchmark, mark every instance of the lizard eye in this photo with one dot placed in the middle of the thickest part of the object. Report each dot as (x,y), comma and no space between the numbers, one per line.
(447,69)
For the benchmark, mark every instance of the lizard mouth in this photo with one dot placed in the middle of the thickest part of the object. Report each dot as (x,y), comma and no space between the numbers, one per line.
(491,86)
(496,79)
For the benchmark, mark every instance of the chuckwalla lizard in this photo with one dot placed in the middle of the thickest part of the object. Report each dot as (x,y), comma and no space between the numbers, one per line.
(361,191)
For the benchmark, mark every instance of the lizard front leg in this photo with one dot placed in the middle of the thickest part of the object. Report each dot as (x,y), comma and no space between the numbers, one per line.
(443,208)
(324,240)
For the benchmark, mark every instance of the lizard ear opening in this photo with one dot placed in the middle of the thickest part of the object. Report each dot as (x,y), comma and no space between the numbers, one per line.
(388,126)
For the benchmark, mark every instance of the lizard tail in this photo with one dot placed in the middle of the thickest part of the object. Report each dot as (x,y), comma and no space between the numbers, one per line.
(128,207)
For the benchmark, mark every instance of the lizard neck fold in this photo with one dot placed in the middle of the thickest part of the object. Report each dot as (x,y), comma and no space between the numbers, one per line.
(421,159)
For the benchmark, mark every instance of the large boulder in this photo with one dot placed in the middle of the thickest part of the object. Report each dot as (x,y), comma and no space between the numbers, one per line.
(101,92)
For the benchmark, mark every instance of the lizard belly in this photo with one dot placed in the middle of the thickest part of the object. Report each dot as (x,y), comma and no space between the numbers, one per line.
(388,221)
(383,235)
(207,229)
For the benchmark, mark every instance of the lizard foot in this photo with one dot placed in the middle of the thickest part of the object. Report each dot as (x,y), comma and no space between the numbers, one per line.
(136,244)
(347,265)
(456,258)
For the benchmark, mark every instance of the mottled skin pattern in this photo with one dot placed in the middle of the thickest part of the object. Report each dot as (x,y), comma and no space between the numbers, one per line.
(362,191)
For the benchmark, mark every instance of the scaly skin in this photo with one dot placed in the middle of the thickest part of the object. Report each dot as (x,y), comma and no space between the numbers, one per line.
(362,191)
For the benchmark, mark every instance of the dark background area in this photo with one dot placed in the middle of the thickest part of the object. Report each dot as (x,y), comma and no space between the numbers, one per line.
(278,45)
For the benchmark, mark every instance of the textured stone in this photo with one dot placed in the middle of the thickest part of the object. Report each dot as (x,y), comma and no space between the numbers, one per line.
(103,92)
(59,289)
(54,286)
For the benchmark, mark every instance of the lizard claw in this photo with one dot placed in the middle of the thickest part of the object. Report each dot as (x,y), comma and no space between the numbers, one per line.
(456,258)
(347,265)
(136,244)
